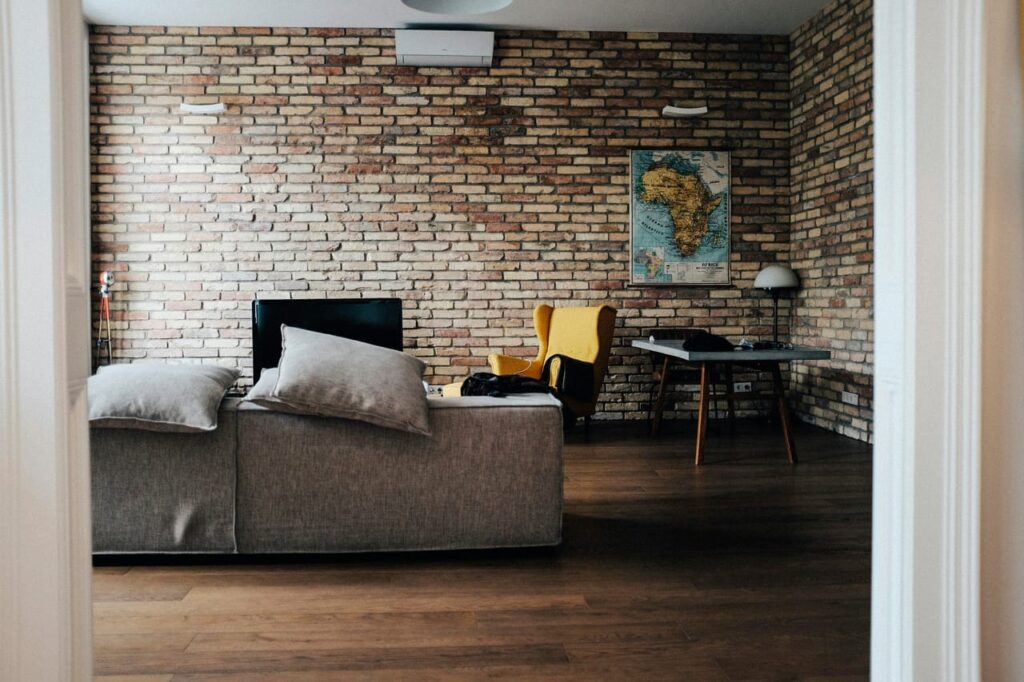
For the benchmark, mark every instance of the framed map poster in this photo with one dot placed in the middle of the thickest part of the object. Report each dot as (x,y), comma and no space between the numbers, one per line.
(680,211)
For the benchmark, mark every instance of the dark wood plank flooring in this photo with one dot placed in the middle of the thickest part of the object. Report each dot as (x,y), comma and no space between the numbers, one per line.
(745,569)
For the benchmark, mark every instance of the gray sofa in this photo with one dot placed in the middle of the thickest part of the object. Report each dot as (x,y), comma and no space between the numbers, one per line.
(490,475)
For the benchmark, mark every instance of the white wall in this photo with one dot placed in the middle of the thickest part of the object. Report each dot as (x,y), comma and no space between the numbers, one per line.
(1002,468)
(45,570)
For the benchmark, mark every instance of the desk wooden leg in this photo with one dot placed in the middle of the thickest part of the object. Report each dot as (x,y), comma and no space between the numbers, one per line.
(659,405)
(702,410)
(780,400)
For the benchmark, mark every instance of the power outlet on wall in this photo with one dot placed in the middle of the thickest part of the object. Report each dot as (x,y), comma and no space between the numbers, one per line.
(742,387)
(850,398)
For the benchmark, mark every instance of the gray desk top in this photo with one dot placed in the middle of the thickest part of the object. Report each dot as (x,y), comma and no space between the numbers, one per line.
(675,349)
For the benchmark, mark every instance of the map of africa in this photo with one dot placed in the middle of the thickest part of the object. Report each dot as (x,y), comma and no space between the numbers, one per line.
(680,217)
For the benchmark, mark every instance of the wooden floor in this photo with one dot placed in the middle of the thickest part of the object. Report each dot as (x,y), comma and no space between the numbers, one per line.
(746,569)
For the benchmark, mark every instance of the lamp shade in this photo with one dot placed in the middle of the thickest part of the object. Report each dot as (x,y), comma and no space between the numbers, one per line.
(776,277)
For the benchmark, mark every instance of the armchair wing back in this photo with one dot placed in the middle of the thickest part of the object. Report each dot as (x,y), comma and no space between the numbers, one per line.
(581,333)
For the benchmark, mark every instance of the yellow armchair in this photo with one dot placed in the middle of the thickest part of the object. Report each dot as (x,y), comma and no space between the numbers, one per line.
(581,333)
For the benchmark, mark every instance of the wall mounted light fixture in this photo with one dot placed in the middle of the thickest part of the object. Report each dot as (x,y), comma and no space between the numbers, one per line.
(683,112)
(216,108)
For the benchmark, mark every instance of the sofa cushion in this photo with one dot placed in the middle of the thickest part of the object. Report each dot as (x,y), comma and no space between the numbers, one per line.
(158,397)
(332,376)
(262,394)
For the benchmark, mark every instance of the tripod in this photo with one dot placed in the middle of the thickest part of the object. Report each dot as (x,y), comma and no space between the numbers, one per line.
(104,345)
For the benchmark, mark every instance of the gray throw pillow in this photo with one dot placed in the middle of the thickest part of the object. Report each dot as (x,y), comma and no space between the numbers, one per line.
(158,397)
(331,376)
(262,394)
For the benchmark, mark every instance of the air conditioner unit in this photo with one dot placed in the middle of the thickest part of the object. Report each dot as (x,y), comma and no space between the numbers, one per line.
(444,48)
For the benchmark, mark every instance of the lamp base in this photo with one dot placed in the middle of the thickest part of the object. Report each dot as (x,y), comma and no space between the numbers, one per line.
(775,324)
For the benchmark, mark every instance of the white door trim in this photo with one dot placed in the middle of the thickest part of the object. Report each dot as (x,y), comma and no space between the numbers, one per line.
(45,567)
(928,157)
(929,86)
(9,426)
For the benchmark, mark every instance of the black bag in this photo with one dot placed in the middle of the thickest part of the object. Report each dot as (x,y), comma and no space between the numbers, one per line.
(498,386)
(702,341)
(574,378)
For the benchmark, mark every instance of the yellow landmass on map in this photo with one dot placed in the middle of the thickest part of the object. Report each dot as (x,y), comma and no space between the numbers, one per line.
(689,202)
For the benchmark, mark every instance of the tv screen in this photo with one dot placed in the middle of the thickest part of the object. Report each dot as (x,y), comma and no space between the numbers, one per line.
(370,320)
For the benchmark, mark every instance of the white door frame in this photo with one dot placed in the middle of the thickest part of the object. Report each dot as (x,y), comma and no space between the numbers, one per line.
(929,88)
(929,83)
(45,567)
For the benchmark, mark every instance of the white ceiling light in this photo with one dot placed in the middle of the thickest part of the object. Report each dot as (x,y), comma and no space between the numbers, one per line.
(457,6)
(762,17)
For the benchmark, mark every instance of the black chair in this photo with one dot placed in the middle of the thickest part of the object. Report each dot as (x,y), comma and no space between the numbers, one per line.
(674,371)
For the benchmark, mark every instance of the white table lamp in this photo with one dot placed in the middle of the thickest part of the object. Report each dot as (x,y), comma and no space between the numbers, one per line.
(775,279)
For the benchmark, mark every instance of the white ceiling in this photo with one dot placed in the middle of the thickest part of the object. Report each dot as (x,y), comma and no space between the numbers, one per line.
(684,16)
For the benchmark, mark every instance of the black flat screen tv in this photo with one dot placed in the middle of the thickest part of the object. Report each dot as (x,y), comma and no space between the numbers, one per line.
(370,320)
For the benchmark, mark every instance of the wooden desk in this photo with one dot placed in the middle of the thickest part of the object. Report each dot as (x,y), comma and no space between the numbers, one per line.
(767,359)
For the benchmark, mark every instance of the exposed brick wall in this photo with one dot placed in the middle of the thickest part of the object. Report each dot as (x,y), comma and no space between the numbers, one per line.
(473,194)
(832,232)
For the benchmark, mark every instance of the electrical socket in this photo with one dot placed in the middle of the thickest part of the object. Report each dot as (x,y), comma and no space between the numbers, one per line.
(742,387)
(850,398)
